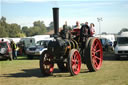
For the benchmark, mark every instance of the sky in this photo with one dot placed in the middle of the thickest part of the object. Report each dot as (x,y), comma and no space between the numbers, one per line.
(114,13)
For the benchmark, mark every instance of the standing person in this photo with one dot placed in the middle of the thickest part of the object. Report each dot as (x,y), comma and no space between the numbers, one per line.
(86,24)
(84,33)
(13,46)
(87,28)
(16,50)
(65,31)
(65,27)
(84,30)
(92,30)
(77,26)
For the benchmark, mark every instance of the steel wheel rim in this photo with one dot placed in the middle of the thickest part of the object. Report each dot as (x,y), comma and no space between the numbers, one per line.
(48,65)
(76,62)
(97,52)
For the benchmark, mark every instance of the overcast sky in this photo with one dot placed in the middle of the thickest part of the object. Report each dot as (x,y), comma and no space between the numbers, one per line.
(25,12)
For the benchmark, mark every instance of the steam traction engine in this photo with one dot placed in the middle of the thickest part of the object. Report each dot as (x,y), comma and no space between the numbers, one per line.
(69,49)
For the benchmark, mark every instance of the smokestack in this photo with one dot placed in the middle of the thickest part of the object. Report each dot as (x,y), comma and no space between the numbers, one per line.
(56,20)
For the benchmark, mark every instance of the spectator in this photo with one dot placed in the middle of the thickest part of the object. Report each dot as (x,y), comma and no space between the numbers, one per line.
(77,26)
(65,31)
(14,52)
(92,30)
(87,28)
(84,32)
(65,26)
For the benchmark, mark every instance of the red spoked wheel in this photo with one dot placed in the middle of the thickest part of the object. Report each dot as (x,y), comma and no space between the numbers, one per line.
(74,62)
(46,64)
(94,56)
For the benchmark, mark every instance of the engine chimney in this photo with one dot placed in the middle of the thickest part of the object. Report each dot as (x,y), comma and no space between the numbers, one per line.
(56,20)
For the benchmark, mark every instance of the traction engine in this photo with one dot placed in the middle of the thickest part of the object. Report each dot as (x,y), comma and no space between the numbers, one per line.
(70,49)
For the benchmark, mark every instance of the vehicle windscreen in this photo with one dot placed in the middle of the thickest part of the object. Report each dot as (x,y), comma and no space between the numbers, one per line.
(122,40)
(42,43)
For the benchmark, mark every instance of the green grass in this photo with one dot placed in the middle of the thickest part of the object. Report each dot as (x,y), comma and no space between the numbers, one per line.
(27,72)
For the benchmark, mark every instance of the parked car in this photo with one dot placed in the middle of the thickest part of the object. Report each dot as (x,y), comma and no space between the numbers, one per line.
(37,49)
(121,46)
(5,50)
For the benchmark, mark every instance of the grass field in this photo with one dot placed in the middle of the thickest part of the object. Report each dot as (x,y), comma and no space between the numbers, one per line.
(27,72)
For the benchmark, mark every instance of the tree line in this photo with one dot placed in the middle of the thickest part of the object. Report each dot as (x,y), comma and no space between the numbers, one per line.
(38,28)
(15,30)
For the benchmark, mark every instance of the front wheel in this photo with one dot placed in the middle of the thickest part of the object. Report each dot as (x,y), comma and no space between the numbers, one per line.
(46,63)
(94,56)
(74,62)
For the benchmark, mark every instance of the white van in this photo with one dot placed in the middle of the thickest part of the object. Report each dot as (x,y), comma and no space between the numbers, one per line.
(121,48)
(28,41)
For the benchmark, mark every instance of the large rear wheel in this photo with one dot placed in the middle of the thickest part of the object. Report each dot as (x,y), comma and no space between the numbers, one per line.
(46,63)
(94,56)
(74,62)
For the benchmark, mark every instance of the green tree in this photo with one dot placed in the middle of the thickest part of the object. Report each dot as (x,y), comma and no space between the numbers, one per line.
(25,29)
(34,31)
(9,30)
(14,30)
(3,20)
(21,35)
(41,25)
(3,33)
(37,29)
(50,27)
